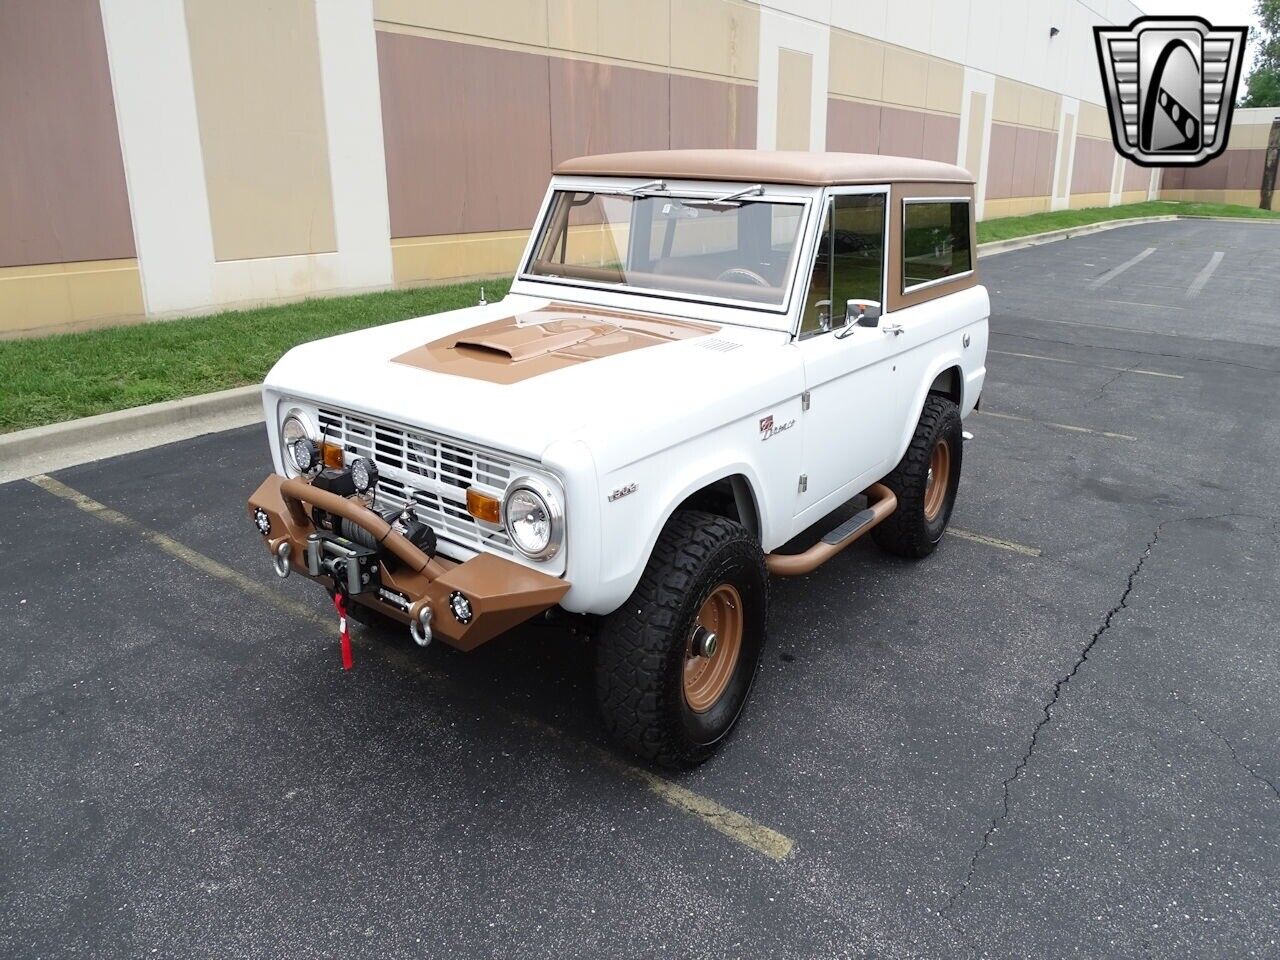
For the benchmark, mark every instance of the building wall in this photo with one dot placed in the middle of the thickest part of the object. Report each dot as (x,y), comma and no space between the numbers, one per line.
(181,156)
(1236,175)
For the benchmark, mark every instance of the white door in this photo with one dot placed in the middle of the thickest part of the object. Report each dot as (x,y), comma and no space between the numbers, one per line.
(852,427)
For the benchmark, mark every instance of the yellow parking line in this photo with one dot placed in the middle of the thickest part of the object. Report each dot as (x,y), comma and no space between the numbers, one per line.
(1083,363)
(734,825)
(1059,426)
(994,542)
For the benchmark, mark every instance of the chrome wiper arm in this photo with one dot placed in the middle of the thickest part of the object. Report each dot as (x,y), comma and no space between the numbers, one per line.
(728,198)
(653,186)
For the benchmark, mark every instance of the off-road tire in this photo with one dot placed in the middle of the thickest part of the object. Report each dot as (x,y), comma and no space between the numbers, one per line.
(909,531)
(642,647)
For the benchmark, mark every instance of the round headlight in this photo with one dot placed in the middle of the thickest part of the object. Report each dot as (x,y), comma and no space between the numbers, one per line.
(533,519)
(298,443)
(363,474)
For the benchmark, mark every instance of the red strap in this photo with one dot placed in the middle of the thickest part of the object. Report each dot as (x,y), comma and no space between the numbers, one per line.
(340,605)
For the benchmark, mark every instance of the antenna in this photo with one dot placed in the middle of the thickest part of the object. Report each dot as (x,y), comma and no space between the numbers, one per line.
(483,301)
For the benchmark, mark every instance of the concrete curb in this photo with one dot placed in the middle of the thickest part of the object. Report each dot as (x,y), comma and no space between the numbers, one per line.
(1034,239)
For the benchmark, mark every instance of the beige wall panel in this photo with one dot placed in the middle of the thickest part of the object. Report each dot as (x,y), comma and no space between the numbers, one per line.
(1050,110)
(260,109)
(573,25)
(712,113)
(417,260)
(517,21)
(1244,198)
(1094,121)
(1000,161)
(1133,196)
(1080,201)
(638,30)
(50,297)
(1014,207)
(600,108)
(795,87)
(62,185)
(901,132)
(467,139)
(977,125)
(1248,136)
(1030,106)
(906,77)
(945,87)
(1065,144)
(856,66)
(853,127)
(1007,104)
(716,36)
(941,137)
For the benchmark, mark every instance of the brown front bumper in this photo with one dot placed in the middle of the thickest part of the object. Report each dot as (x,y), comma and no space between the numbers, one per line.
(502,593)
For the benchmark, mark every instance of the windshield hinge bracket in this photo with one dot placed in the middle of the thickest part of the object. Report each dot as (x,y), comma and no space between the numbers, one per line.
(804,400)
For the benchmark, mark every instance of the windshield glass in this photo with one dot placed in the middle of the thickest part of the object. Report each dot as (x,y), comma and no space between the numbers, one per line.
(688,247)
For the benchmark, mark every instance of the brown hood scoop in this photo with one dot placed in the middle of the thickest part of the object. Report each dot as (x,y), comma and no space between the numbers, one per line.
(557,336)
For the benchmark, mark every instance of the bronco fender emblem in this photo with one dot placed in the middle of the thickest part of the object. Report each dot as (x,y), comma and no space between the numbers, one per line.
(621,492)
(769,429)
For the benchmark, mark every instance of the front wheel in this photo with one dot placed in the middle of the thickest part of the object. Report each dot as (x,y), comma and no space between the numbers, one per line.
(676,661)
(925,482)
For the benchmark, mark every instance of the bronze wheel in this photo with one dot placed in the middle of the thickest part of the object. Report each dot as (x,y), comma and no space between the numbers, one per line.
(937,480)
(714,644)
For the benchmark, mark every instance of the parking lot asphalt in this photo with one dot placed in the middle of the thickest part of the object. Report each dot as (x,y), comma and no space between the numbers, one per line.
(1054,738)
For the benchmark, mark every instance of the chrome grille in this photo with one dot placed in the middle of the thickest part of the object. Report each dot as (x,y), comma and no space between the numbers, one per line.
(428,471)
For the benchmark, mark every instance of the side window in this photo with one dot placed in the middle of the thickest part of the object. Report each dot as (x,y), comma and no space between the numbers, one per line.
(935,241)
(850,261)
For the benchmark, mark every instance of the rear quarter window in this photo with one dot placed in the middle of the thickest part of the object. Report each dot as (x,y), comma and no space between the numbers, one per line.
(935,241)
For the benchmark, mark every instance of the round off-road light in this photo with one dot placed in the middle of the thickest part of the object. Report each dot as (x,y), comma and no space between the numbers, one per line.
(460,606)
(262,522)
(364,474)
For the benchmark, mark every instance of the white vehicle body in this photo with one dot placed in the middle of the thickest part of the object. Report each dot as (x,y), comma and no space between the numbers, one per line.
(625,439)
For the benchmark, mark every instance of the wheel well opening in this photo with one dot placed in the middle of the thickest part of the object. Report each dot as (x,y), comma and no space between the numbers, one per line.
(947,384)
(729,497)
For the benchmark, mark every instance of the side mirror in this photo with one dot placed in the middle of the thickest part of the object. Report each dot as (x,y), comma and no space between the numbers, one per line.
(859,313)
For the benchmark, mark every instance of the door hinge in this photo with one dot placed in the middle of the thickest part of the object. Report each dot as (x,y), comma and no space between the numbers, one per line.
(804,400)
(804,482)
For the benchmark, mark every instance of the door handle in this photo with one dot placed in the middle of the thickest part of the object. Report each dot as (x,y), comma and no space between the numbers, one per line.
(894,328)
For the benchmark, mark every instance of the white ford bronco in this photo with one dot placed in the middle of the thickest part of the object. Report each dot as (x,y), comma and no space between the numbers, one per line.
(703,354)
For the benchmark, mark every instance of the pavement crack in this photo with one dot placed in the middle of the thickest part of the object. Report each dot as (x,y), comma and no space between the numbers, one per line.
(1231,748)
(1046,716)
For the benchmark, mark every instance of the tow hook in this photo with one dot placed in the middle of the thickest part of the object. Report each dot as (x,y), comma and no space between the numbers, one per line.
(420,623)
(280,558)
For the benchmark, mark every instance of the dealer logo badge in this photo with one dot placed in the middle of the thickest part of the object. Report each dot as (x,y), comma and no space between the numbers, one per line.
(1170,84)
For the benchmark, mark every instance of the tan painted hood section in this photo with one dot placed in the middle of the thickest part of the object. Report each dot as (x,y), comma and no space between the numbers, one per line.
(556,336)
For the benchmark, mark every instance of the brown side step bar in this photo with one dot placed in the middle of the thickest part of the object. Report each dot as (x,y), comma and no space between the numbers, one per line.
(880,503)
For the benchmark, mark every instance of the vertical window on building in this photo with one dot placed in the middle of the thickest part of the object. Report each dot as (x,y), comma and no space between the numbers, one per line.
(935,241)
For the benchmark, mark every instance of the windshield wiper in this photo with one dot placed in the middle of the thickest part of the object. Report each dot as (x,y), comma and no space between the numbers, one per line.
(727,200)
(653,186)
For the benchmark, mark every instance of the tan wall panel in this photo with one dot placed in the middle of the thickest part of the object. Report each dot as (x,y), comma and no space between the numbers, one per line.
(716,36)
(906,77)
(1248,136)
(1133,196)
(795,87)
(1094,121)
(638,30)
(856,66)
(1080,201)
(62,186)
(977,125)
(466,133)
(573,25)
(417,260)
(1008,101)
(58,296)
(260,108)
(601,108)
(945,87)
(712,113)
(853,127)
(517,21)
(1244,198)
(1014,207)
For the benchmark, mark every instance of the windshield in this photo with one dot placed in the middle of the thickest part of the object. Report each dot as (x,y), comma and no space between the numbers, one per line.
(736,250)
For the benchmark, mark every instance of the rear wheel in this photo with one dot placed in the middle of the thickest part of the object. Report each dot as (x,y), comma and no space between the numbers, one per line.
(676,662)
(925,482)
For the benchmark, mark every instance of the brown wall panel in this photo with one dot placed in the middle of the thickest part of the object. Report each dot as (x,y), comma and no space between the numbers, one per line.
(1172,178)
(853,127)
(1025,143)
(1000,161)
(1092,167)
(1136,177)
(711,113)
(468,142)
(1212,176)
(600,108)
(62,188)
(941,137)
(1046,151)
(901,132)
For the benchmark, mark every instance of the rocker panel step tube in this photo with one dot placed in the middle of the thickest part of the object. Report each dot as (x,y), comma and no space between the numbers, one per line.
(881,503)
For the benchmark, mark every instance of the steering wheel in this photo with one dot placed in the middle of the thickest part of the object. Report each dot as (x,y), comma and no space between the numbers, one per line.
(742,273)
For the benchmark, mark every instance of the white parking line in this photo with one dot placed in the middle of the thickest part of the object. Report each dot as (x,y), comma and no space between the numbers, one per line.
(1203,276)
(736,826)
(1116,271)
(1083,363)
(994,542)
(1059,426)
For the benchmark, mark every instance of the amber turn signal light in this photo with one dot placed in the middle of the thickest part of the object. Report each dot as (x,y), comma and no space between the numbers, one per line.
(483,507)
(332,455)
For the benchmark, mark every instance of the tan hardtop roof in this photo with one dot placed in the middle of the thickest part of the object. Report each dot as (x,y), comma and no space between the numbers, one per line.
(765,166)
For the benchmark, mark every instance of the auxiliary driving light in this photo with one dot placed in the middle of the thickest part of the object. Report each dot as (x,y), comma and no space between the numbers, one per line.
(306,454)
(460,606)
(364,474)
(262,522)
